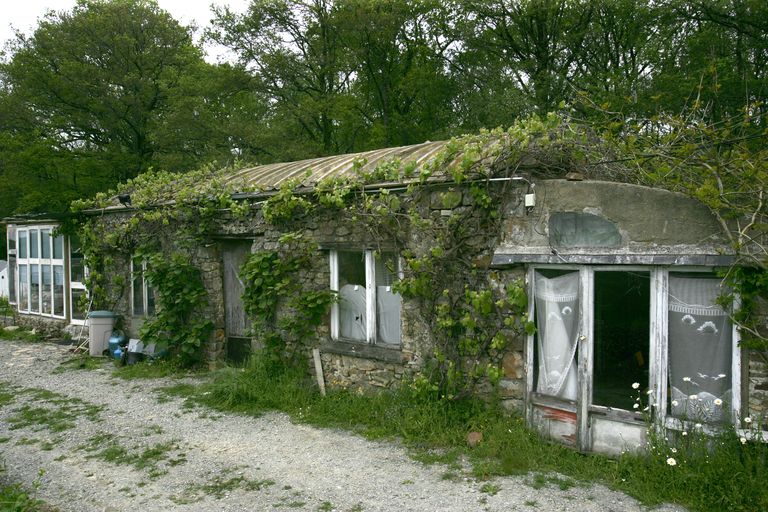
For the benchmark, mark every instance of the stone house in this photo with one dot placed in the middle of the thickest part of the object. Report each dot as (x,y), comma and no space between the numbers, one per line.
(620,278)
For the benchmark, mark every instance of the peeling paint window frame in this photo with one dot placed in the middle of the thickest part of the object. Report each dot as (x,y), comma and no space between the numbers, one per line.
(371,311)
(658,354)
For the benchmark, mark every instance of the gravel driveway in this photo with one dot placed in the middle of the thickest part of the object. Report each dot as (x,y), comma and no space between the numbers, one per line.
(111,445)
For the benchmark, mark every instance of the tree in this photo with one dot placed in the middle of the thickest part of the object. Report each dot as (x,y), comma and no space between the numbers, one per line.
(293,49)
(97,78)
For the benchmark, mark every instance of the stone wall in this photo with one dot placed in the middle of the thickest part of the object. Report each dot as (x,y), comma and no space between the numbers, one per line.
(757,378)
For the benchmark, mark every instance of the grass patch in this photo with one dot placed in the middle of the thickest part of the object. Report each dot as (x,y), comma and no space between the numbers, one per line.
(16,498)
(54,412)
(731,477)
(154,459)
(21,334)
(83,362)
(154,369)
(219,487)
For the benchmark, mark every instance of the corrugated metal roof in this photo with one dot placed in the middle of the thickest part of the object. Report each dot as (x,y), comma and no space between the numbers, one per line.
(310,172)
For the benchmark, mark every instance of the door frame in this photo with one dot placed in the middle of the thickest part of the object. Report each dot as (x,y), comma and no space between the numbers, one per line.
(658,353)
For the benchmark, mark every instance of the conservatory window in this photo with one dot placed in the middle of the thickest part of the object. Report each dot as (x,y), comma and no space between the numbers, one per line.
(368,309)
(40,263)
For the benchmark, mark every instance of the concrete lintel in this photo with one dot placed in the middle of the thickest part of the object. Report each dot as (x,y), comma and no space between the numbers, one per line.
(707,260)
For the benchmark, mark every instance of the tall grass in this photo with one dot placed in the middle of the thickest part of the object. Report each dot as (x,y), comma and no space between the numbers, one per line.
(709,474)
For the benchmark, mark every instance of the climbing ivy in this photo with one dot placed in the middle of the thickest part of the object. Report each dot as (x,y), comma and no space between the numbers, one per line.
(272,279)
(179,326)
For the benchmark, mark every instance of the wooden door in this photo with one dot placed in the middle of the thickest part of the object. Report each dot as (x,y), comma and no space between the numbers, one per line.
(237,325)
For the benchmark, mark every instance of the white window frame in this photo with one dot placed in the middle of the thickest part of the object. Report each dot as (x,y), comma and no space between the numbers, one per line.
(13,290)
(40,262)
(658,349)
(371,323)
(145,288)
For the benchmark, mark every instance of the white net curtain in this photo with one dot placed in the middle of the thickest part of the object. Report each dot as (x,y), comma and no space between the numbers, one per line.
(557,321)
(699,350)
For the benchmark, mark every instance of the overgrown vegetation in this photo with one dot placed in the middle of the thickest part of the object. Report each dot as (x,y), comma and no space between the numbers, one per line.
(720,473)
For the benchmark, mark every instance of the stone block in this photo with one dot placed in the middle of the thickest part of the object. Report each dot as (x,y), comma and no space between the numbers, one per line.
(512,364)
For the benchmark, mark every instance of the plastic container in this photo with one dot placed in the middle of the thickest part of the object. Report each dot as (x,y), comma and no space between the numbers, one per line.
(117,341)
(100,326)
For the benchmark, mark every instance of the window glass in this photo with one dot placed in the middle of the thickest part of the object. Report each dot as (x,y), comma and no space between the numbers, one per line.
(352,295)
(700,339)
(58,290)
(45,243)
(78,300)
(12,278)
(557,330)
(58,247)
(46,290)
(388,303)
(150,299)
(23,288)
(34,288)
(138,288)
(11,238)
(23,244)
(34,242)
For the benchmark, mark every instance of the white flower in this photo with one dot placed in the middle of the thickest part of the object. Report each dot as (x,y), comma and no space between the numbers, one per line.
(718,402)
(635,405)
(743,440)
(649,392)
(698,425)
(686,379)
(635,385)
(673,450)
(747,420)
(675,403)
(671,461)
(685,433)
(693,397)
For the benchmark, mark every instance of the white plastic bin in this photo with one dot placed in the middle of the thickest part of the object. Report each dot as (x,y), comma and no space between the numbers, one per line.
(100,326)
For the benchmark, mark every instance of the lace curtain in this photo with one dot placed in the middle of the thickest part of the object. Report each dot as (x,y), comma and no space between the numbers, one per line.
(557,321)
(699,350)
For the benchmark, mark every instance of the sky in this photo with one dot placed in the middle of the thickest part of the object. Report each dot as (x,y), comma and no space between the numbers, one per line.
(23,14)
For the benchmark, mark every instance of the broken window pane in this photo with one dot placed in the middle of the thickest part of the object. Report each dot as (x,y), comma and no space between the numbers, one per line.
(352,295)
(557,323)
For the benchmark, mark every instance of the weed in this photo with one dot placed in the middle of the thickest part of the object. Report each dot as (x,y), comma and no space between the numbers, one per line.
(83,362)
(21,334)
(530,503)
(4,439)
(156,369)
(490,488)
(148,459)
(450,475)
(357,508)
(325,506)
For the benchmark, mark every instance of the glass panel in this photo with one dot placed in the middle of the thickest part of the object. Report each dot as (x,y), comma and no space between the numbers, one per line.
(58,247)
(78,303)
(352,295)
(557,323)
(45,243)
(388,303)
(12,278)
(34,243)
(58,290)
(34,288)
(150,299)
(699,350)
(76,263)
(46,291)
(23,288)
(23,244)
(137,289)
(622,337)
(11,238)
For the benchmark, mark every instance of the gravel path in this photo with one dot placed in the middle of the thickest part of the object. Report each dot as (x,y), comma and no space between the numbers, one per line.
(196,459)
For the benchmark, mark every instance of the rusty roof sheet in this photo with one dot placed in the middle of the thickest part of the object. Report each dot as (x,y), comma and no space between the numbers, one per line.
(310,172)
